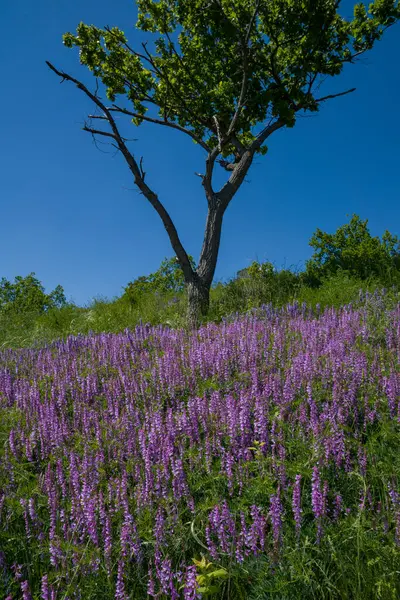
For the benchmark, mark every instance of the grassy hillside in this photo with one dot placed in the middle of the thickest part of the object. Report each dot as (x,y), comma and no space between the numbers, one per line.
(344,264)
(256,458)
(27,328)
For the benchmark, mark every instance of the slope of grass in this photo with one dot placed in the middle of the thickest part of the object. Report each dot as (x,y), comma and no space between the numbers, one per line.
(236,296)
(254,459)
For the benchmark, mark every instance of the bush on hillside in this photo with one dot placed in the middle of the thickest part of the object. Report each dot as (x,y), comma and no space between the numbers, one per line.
(27,294)
(167,279)
(354,250)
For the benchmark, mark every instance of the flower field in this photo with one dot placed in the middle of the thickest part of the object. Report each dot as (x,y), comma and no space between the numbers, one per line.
(258,458)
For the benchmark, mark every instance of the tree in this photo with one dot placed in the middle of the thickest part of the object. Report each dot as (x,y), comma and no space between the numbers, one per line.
(353,249)
(26,294)
(226,73)
(168,278)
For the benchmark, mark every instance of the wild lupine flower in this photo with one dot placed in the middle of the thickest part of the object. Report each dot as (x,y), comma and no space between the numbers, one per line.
(151,589)
(165,576)
(395,501)
(141,428)
(317,500)
(89,511)
(160,529)
(338,508)
(362,461)
(120,593)
(241,549)
(45,593)
(276,519)
(212,548)
(296,503)
(26,595)
(17,571)
(12,443)
(190,586)
(24,504)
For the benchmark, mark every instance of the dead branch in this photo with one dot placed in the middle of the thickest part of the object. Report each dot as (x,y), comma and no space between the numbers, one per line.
(165,123)
(335,95)
(135,169)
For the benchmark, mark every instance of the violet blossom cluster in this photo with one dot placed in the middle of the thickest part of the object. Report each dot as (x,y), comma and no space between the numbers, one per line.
(121,428)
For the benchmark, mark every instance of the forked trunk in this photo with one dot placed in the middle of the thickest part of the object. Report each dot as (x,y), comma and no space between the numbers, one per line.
(198,301)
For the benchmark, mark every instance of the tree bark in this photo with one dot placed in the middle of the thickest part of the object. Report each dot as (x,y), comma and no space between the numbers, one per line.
(198,301)
(199,283)
(211,243)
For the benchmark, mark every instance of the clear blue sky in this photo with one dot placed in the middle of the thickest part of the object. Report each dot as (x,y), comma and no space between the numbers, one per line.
(71,213)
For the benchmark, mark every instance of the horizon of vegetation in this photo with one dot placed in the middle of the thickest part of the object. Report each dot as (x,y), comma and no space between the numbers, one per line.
(343,263)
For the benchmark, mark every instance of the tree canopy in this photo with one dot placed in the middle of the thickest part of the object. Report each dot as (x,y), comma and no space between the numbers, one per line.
(219,69)
(353,249)
(27,294)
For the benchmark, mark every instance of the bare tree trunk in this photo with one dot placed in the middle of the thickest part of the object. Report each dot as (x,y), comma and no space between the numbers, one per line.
(198,301)
(210,248)
(199,283)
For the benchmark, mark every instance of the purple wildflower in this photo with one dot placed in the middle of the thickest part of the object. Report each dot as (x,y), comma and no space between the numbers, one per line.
(276,519)
(26,595)
(338,508)
(317,500)
(190,590)
(45,593)
(120,593)
(296,504)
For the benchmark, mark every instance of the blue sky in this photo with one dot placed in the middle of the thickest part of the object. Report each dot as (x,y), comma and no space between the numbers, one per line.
(71,214)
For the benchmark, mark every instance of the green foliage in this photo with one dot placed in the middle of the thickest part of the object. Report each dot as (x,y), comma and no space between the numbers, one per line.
(209,578)
(335,291)
(26,294)
(352,249)
(205,51)
(167,279)
(258,284)
(160,298)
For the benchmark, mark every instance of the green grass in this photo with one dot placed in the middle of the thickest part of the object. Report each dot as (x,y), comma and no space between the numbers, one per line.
(235,296)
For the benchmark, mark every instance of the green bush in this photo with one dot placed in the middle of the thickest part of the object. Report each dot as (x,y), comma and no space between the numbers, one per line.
(27,295)
(352,249)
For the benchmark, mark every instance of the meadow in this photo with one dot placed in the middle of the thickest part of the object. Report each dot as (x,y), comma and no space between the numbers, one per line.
(255,458)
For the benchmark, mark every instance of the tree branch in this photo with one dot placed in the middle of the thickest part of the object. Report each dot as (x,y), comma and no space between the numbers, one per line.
(132,51)
(207,179)
(251,23)
(265,133)
(229,189)
(245,78)
(335,95)
(138,175)
(98,132)
(177,95)
(165,123)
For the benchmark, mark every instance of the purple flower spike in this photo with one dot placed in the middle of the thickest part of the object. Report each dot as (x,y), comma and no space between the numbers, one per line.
(190,590)
(317,501)
(45,593)
(276,519)
(296,504)
(26,595)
